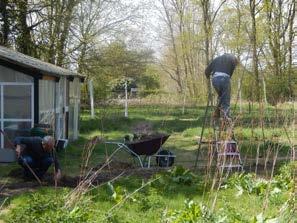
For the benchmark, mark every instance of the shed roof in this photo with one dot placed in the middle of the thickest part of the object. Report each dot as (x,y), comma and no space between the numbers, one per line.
(13,57)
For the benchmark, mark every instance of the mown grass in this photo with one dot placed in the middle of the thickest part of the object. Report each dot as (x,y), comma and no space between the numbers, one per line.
(184,128)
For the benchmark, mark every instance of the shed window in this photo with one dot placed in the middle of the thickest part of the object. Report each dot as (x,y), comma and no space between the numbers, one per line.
(17,102)
(47,102)
(10,75)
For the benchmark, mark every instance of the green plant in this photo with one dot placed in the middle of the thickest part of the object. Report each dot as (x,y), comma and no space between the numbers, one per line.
(177,175)
(274,188)
(279,93)
(250,184)
(284,179)
(117,194)
(230,214)
(191,213)
(242,181)
(40,208)
(149,200)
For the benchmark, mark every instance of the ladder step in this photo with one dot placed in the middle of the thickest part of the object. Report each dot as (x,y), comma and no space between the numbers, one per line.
(229,154)
(230,166)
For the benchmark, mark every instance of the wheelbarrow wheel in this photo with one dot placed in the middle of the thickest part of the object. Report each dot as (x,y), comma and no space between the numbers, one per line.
(165,158)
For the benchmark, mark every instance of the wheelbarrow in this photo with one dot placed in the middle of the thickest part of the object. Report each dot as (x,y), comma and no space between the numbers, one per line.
(143,150)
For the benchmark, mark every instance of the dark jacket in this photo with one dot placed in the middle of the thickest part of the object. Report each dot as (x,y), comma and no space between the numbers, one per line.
(225,63)
(32,146)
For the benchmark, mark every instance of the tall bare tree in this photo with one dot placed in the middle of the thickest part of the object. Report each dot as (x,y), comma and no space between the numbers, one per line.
(24,42)
(94,21)
(208,17)
(4,22)
(59,17)
(169,21)
(292,35)
(253,38)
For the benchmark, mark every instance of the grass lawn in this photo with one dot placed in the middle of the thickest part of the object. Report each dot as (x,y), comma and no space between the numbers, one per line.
(166,197)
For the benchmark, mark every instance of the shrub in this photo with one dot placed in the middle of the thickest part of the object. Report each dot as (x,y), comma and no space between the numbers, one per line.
(40,208)
(252,185)
(174,177)
(277,89)
(285,177)
(192,213)
(149,200)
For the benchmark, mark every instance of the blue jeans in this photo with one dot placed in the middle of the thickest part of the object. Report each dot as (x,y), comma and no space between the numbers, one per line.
(222,86)
(38,166)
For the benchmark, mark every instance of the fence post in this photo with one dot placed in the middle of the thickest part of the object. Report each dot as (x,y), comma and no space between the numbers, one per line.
(126,100)
(239,92)
(91,90)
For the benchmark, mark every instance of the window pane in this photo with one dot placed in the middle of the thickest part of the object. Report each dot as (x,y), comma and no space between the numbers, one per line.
(14,129)
(46,102)
(17,102)
(10,75)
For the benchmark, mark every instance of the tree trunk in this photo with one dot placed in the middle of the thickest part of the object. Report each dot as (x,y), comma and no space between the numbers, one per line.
(60,17)
(290,48)
(24,40)
(207,35)
(65,31)
(255,61)
(177,78)
(5,20)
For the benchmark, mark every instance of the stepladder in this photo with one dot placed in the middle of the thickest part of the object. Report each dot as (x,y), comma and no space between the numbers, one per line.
(227,149)
(228,156)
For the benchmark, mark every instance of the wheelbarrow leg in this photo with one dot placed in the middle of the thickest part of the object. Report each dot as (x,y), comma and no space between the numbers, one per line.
(146,161)
(124,147)
(149,162)
(138,157)
(141,164)
(135,154)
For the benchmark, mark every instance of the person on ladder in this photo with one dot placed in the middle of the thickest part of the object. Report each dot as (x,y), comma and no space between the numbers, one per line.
(220,71)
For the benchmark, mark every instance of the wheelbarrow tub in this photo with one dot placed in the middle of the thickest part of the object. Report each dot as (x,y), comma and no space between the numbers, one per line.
(148,146)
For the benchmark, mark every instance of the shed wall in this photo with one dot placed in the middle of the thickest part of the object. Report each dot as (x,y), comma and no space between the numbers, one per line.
(74,108)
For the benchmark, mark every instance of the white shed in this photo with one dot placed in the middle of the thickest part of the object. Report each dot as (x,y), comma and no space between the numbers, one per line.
(35,92)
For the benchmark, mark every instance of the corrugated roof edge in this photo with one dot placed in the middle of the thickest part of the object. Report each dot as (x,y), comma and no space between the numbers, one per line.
(26,61)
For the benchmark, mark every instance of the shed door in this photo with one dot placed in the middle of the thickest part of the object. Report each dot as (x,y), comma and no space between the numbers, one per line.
(17,111)
(60,109)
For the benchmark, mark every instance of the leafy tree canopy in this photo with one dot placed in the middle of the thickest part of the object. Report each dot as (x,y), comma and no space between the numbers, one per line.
(111,66)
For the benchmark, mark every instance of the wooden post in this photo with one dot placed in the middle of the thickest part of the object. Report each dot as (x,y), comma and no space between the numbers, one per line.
(126,100)
(184,102)
(91,90)
(239,94)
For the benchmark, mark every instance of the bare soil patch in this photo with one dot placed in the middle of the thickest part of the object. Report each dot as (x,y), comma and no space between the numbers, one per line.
(106,174)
